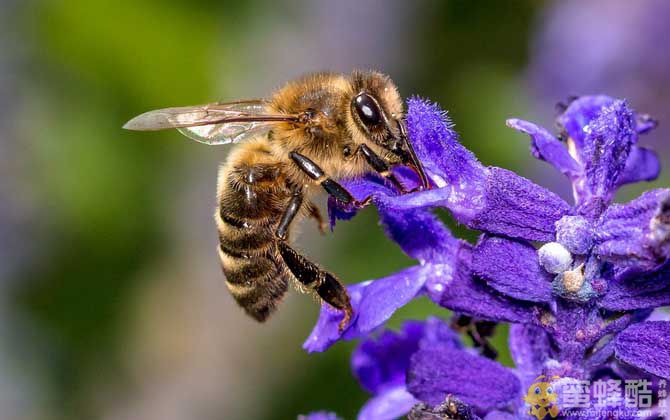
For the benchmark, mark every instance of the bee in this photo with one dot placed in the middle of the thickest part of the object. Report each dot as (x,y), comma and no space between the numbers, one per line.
(309,133)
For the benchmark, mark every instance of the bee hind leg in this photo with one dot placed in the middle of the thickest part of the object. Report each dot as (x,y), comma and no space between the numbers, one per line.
(325,284)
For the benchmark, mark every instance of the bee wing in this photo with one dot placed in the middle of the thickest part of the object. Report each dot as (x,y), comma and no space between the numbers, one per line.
(217,123)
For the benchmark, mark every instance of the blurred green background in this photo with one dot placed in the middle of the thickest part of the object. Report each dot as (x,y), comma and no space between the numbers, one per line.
(112,303)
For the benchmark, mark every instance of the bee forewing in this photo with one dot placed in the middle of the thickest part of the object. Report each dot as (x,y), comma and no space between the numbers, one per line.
(226,133)
(186,116)
(162,119)
(217,123)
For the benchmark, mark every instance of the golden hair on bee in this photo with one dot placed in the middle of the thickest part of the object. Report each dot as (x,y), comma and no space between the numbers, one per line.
(308,134)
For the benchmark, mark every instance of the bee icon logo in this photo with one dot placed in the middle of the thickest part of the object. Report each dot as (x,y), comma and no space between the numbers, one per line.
(542,399)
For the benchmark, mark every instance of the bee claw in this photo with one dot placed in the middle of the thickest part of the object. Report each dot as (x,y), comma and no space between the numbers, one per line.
(345,321)
(364,202)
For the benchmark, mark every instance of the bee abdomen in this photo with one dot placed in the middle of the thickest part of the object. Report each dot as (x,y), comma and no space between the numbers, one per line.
(251,203)
(239,235)
(256,283)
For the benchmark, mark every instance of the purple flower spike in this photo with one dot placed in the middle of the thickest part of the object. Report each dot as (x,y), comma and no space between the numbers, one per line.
(579,283)
(647,347)
(441,370)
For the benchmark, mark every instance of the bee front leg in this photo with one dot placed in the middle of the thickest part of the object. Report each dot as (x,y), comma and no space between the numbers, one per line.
(380,166)
(331,186)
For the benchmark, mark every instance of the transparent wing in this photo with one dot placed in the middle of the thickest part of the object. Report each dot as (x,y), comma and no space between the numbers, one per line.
(217,123)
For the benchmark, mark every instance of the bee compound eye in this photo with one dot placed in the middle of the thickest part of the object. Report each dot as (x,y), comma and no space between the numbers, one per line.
(367,109)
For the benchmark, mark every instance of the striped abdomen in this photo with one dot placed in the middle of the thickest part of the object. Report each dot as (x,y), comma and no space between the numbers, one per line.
(252,197)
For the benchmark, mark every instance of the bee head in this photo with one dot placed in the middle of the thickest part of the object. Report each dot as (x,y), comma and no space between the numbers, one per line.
(375,108)
(377,115)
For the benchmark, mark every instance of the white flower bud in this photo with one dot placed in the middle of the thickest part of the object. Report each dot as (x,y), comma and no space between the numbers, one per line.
(554,257)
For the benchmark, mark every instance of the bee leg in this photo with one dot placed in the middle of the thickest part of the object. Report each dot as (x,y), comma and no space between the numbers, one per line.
(380,166)
(331,186)
(326,285)
(289,214)
(316,215)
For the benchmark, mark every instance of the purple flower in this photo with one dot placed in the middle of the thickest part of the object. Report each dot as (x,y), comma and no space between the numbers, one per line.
(319,415)
(577,282)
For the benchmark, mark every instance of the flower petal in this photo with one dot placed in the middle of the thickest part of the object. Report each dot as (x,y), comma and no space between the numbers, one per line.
(518,208)
(607,145)
(455,288)
(440,370)
(636,236)
(373,303)
(420,233)
(646,346)
(642,165)
(381,363)
(511,267)
(436,144)
(530,347)
(648,291)
(360,189)
(510,205)
(326,331)
(547,147)
(390,404)
(583,110)
(499,415)
(386,295)
(580,113)
(319,415)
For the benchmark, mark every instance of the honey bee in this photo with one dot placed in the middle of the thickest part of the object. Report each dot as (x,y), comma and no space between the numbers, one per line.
(312,131)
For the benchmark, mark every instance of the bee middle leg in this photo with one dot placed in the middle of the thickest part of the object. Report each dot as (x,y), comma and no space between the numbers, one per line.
(315,214)
(331,186)
(326,285)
